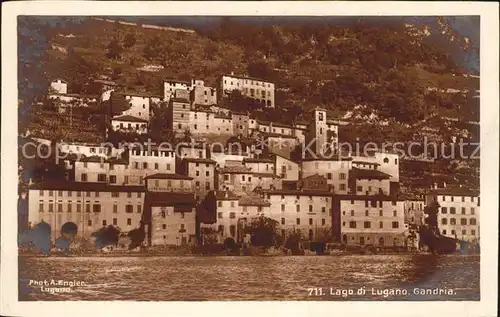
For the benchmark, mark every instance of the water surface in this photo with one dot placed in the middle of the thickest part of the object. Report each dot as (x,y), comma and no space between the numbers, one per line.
(253,278)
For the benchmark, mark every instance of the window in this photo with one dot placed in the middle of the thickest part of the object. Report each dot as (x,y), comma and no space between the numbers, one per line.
(473,232)
(342,186)
(463,221)
(115,194)
(395,213)
(444,198)
(381,213)
(310,208)
(452,198)
(87,208)
(101,177)
(168,167)
(96,208)
(452,231)
(298,221)
(207,185)
(87,194)
(59,207)
(232,204)
(298,208)
(115,209)
(232,230)
(115,222)
(96,194)
(219,215)
(453,221)
(366,213)
(69,193)
(232,215)
(310,221)
(472,211)
(342,176)
(367,224)
(472,221)
(444,231)
(129,195)
(89,223)
(282,207)
(125,180)
(282,221)
(83,177)
(366,203)
(444,221)
(164,226)
(352,224)
(129,209)
(395,224)
(40,207)
(41,192)
(394,203)
(323,209)
(112,179)
(444,210)
(139,209)
(104,223)
(129,221)
(69,207)
(352,213)
(359,188)
(452,210)
(78,208)
(219,204)
(381,224)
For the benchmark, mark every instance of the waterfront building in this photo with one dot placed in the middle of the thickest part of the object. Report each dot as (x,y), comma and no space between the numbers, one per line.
(361,220)
(170,210)
(414,211)
(458,214)
(91,206)
(306,211)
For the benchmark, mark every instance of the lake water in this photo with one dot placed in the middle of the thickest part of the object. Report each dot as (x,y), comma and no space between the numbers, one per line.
(384,277)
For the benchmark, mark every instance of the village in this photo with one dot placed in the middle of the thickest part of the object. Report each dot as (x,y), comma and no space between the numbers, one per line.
(201,190)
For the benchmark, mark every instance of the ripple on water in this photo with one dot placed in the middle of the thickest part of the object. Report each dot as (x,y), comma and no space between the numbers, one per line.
(247,278)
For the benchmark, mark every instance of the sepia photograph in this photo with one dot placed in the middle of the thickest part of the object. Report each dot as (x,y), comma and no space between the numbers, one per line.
(221,157)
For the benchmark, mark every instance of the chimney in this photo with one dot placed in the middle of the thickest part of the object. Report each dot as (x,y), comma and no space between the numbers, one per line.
(444,184)
(232,73)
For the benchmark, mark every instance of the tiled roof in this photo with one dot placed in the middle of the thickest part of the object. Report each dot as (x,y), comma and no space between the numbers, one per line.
(368,197)
(85,186)
(168,176)
(253,200)
(368,174)
(298,192)
(226,195)
(94,159)
(171,80)
(365,162)
(455,191)
(170,199)
(198,160)
(183,100)
(258,160)
(265,175)
(128,118)
(235,170)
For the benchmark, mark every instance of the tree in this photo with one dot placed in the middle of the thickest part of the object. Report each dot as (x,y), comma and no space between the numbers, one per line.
(262,231)
(153,49)
(129,40)
(261,69)
(114,50)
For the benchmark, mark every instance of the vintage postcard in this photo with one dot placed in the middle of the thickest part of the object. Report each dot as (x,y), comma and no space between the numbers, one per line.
(327,156)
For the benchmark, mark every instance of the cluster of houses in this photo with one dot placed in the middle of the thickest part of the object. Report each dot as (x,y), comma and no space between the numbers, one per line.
(352,198)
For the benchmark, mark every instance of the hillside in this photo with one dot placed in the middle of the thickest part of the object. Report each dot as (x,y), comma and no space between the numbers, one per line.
(388,68)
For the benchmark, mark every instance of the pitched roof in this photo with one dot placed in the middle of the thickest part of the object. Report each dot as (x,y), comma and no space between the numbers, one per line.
(235,170)
(183,100)
(226,195)
(455,191)
(368,174)
(265,175)
(253,200)
(85,186)
(257,160)
(128,118)
(303,192)
(167,176)
(170,199)
(198,160)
